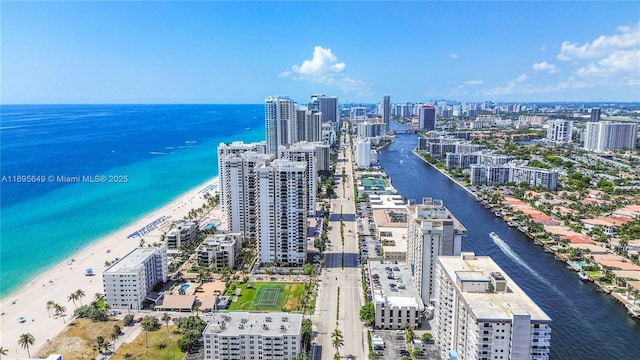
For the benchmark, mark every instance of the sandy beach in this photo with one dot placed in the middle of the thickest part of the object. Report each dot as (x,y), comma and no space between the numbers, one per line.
(59,281)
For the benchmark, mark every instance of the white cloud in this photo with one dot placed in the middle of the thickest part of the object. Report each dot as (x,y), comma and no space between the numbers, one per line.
(512,87)
(627,37)
(545,66)
(474,82)
(619,62)
(324,68)
(453,56)
(323,62)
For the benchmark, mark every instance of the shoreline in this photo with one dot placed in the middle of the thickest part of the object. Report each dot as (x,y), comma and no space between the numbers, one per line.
(57,282)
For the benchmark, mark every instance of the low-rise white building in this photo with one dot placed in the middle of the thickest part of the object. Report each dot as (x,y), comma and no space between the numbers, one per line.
(395,298)
(219,250)
(243,335)
(128,281)
(481,313)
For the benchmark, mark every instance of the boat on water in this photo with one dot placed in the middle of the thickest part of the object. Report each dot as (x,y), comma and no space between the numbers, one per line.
(498,214)
(583,276)
(494,236)
(511,224)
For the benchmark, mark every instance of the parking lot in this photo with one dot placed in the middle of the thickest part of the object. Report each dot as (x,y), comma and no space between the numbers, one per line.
(396,348)
(368,244)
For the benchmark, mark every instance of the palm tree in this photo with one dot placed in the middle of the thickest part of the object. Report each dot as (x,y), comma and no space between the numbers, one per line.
(166,318)
(147,325)
(50,305)
(26,340)
(3,351)
(79,295)
(114,337)
(73,297)
(60,310)
(337,339)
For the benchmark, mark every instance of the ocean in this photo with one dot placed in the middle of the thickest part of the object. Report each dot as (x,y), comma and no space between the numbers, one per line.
(153,152)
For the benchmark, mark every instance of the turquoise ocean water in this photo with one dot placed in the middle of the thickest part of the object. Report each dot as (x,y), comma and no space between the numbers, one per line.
(164,150)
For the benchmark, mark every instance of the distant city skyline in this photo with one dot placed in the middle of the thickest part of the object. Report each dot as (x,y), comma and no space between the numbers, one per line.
(241,52)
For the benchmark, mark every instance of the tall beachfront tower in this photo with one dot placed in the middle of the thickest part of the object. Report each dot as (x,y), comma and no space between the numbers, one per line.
(328,106)
(236,167)
(308,125)
(427,117)
(282,195)
(482,314)
(386,110)
(280,122)
(432,231)
(305,152)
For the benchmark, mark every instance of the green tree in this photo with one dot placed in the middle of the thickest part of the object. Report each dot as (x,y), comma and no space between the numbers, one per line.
(79,295)
(308,268)
(50,306)
(409,334)
(60,311)
(100,343)
(368,313)
(337,340)
(3,351)
(26,340)
(73,297)
(166,318)
(149,323)
(426,337)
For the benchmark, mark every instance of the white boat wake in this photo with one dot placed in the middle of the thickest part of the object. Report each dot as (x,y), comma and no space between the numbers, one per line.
(507,250)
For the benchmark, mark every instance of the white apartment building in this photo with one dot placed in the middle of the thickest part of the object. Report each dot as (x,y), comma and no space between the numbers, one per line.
(280,122)
(502,174)
(482,314)
(395,298)
(184,232)
(603,136)
(363,153)
(432,231)
(236,168)
(305,152)
(128,281)
(219,250)
(282,194)
(559,131)
(243,335)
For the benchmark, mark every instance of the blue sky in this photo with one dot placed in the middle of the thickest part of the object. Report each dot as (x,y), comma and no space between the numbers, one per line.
(242,52)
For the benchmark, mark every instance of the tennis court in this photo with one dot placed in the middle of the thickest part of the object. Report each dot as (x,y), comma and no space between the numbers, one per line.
(371,183)
(267,296)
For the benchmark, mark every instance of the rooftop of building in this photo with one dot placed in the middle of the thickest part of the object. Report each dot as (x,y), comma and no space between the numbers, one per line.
(236,323)
(434,211)
(131,261)
(398,290)
(387,202)
(396,218)
(489,306)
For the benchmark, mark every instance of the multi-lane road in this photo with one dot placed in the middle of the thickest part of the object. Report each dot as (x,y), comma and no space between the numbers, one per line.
(341,270)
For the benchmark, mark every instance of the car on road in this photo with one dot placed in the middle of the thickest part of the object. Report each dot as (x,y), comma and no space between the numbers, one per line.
(138,320)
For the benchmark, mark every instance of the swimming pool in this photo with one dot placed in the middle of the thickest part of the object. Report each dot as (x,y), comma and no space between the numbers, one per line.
(183,287)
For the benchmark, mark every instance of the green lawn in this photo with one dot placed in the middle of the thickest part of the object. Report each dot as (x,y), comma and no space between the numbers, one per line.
(288,298)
